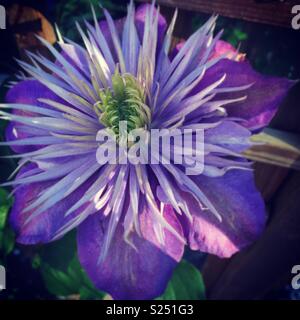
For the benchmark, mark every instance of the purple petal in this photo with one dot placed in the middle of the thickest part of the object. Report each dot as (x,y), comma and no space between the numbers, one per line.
(140,22)
(176,49)
(43,227)
(119,24)
(230,135)
(223,47)
(235,197)
(76,56)
(26,92)
(126,272)
(263,97)
(172,247)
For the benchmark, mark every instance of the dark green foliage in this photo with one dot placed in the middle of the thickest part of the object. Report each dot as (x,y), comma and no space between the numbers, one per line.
(186,284)
(62,272)
(70,11)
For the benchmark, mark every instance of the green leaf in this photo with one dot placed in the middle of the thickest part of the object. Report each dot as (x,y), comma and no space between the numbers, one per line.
(36,262)
(62,272)
(7,238)
(59,254)
(88,292)
(5,204)
(275,147)
(240,35)
(78,10)
(7,241)
(186,284)
(57,282)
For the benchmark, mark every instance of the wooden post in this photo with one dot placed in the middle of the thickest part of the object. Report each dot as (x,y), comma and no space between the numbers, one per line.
(277,13)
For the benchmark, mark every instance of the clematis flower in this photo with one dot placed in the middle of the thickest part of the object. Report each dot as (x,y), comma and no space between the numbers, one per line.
(134,221)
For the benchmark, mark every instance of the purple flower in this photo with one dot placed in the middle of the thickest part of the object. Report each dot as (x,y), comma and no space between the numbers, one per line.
(133,221)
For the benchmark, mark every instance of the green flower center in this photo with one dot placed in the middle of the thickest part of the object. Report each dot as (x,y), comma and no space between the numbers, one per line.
(124,101)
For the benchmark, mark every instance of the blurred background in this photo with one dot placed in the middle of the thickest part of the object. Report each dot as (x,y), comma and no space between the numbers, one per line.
(260,272)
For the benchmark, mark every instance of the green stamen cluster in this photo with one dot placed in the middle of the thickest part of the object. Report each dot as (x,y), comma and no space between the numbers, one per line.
(125,101)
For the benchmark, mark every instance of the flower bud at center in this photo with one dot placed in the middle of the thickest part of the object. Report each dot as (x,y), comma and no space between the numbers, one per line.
(124,101)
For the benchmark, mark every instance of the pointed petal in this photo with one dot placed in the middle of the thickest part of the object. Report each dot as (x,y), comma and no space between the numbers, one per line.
(43,227)
(119,24)
(26,92)
(263,97)
(229,134)
(76,56)
(140,22)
